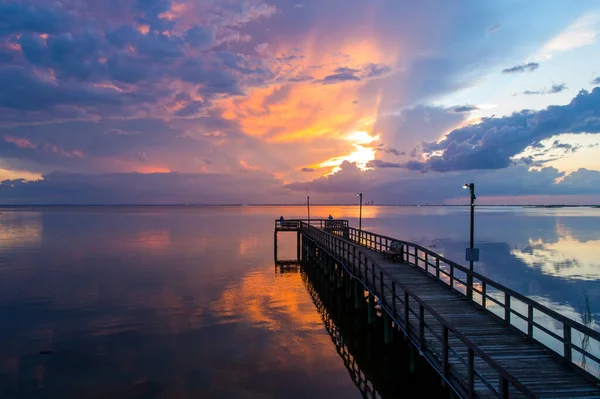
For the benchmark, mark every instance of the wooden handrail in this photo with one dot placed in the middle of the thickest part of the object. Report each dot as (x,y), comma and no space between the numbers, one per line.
(448,325)
(378,242)
(561,318)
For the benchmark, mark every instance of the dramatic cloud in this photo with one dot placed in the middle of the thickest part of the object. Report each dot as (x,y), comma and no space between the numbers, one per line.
(531,66)
(436,188)
(279,89)
(493,142)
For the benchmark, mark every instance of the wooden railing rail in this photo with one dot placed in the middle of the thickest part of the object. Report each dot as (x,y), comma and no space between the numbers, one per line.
(488,293)
(435,345)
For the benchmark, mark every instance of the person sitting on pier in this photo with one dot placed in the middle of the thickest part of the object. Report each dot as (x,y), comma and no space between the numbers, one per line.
(281,221)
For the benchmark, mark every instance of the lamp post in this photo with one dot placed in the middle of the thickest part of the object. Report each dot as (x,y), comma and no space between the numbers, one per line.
(471,256)
(360,212)
(308,208)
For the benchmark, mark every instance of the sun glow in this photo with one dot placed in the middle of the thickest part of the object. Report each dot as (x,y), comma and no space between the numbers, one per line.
(362,137)
(361,156)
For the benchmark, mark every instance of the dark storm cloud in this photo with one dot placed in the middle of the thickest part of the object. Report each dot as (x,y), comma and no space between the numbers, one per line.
(307,170)
(492,143)
(596,81)
(529,67)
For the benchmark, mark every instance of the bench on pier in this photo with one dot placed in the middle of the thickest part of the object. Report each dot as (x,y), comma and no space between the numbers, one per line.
(395,251)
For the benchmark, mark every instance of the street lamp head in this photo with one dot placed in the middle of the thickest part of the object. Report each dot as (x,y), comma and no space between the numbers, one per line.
(465,185)
(358,194)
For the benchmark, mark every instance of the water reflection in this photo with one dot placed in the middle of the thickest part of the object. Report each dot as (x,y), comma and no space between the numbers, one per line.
(157,303)
(566,258)
(143,302)
(378,370)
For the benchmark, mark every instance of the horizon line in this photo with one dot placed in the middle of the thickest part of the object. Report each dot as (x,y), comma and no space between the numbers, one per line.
(296,204)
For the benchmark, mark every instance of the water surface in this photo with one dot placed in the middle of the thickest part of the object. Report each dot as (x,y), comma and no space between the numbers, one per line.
(186,302)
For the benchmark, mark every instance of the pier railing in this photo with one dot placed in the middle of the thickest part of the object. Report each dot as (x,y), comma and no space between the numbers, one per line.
(546,326)
(325,224)
(441,344)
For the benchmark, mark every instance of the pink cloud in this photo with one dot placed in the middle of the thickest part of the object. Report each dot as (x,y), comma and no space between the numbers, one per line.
(20,142)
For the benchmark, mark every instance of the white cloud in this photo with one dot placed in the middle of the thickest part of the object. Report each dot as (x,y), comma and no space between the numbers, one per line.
(582,32)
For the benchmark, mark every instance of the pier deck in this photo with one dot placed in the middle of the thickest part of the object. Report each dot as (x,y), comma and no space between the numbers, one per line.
(486,342)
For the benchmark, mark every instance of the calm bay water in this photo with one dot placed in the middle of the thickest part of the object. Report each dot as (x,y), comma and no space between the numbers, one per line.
(186,302)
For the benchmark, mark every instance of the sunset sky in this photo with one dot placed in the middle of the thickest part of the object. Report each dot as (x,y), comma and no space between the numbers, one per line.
(252,101)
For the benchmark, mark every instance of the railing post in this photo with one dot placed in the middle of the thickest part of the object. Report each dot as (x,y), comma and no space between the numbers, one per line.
(483,293)
(567,343)
(381,293)
(437,267)
(471,373)
(406,314)
(421,327)
(426,263)
(506,308)
(394,299)
(530,321)
(451,275)
(503,387)
(373,276)
(445,362)
(416,257)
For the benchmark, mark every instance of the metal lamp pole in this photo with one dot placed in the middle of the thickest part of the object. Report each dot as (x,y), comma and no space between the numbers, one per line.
(471,187)
(308,207)
(360,212)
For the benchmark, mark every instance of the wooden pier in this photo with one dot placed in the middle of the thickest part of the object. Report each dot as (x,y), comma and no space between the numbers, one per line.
(493,343)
